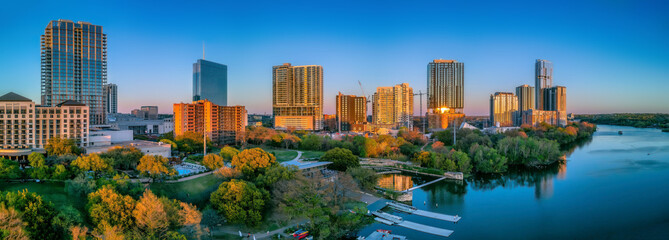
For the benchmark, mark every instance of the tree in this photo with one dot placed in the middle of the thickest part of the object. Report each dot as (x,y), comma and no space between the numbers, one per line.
(36,159)
(123,157)
(462,160)
(108,232)
(92,162)
(424,159)
(365,177)
(35,212)
(78,232)
(9,169)
(155,166)
(108,208)
(11,225)
(311,142)
(60,172)
(252,162)
(57,146)
(227,153)
(150,214)
(173,145)
(301,198)
(439,147)
(227,172)
(487,160)
(191,142)
(240,201)
(213,161)
(341,159)
(275,173)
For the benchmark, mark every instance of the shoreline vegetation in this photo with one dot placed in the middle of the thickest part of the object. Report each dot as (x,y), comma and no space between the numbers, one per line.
(637,120)
(249,188)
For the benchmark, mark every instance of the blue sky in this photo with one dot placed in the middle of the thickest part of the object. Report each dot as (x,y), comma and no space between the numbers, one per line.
(613,56)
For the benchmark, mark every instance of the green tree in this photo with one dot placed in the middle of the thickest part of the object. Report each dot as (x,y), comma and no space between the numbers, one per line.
(341,159)
(488,160)
(227,153)
(37,213)
(92,162)
(123,157)
(213,161)
(311,142)
(301,198)
(365,177)
(275,173)
(240,202)
(107,207)
(57,146)
(252,162)
(60,172)
(36,159)
(9,169)
(155,166)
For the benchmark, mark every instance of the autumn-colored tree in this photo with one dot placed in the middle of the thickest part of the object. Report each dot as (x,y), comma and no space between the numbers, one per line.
(424,159)
(109,232)
(227,172)
(227,153)
(92,162)
(252,162)
(189,214)
(240,201)
(155,166)
(150,214)
(213,161)
(439,147)
(11,225)
(57,146)
(78,232)
(174,145)
(105,206)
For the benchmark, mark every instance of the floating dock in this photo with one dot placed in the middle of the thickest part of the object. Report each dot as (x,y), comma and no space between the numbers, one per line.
(384,236)
(415,211)
(390,219)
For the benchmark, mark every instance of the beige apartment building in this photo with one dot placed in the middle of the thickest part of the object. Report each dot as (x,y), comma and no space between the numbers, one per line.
(351,110)
(26,127)
(393,106)
(297,97)
(503,106)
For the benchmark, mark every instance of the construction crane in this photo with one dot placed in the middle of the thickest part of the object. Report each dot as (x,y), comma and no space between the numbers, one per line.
(420,94)
(363,91)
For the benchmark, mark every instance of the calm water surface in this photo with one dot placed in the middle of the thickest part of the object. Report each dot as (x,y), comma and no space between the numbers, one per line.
(613,187)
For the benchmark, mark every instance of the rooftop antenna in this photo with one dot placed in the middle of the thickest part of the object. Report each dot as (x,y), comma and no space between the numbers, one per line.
(202,50)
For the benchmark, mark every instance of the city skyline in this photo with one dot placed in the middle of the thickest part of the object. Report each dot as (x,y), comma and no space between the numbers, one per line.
(584,60)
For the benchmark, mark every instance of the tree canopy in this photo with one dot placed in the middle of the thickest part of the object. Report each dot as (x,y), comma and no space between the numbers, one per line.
(155,166)
(213,161)
(227,153)
(57,146)
(252,162)
(240,201)
(92,162)
(341,159)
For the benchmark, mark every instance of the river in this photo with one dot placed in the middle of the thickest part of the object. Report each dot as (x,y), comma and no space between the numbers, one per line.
(612,187)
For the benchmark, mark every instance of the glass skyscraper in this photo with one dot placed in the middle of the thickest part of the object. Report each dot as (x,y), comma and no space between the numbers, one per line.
(543,72)
(74,66)
(210,81)
(445,85)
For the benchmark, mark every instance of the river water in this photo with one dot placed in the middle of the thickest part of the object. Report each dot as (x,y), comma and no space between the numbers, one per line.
(612,187)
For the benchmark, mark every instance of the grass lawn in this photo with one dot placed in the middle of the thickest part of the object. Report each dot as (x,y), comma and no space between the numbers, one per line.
(311,154)
(283,155)
(196,191)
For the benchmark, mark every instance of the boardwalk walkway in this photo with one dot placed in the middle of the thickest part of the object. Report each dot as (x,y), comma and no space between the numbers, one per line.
(390,219)
(424,184)
(415,211)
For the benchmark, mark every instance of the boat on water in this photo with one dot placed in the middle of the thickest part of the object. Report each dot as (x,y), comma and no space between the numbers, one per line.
(620,132)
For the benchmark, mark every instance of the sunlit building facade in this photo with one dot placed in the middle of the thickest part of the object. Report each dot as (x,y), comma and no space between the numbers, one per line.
(555,99)
(350,110)
(502,108)
(297,97)
(74,66)
(445,93)
(111,98)
(26,127)
(210,81)
(223,124)
(393,106)
(543,73)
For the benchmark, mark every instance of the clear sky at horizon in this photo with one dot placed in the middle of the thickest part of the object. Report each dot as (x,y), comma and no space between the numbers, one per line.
(613,56)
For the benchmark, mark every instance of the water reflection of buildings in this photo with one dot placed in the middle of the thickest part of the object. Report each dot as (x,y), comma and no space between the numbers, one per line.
(395,182)
(544,189)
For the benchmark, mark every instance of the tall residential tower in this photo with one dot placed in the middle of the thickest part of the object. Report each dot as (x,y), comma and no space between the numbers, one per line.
(210,81)
(502,108)
(111,98)
(74,66)
(297,96)
(543,73)
(393,106)
(350,110)
(445,93)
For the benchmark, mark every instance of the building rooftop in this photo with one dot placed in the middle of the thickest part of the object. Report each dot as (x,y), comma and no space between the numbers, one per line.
(443,61)
(13,97)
